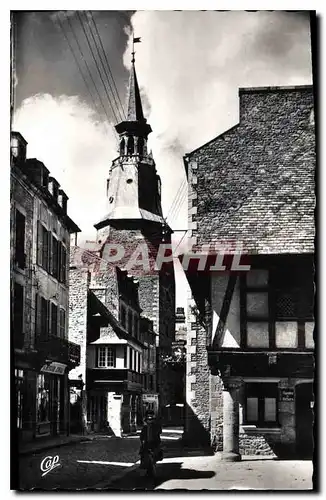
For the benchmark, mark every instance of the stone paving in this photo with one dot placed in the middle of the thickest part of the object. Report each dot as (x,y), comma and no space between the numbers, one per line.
(79,467)
(209,473)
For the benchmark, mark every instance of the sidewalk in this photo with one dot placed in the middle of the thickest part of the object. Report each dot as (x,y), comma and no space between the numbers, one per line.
(210,473)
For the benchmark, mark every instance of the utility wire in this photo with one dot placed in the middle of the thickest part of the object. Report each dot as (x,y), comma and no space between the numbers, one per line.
(174,200)
(89,71)
(104,69)
(76,61)
(108,65)
(177,208)
(98,69)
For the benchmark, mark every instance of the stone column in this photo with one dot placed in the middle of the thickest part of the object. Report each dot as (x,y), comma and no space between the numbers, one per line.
(231,422)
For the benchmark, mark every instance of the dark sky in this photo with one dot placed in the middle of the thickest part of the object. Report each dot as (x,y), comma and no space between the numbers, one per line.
(45,64)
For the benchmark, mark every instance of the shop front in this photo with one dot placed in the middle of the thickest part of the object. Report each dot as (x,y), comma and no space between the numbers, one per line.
(51,388)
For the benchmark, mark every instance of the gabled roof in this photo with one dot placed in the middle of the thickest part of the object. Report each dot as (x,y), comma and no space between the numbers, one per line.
(255,183)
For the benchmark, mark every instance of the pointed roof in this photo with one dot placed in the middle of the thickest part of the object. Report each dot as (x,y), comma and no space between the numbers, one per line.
(135,108)
(135,122)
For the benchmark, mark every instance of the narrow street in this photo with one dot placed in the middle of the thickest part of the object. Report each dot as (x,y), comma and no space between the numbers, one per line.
(110,463)
(82,465)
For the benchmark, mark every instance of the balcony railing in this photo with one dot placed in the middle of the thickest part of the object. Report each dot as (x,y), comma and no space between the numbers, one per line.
(58,349)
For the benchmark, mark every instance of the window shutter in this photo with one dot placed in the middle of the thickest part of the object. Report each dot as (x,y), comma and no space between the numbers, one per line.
(18,319)
(39,243)
(59,264)
(63,264)
(54,320)
(37,315)
(20,239)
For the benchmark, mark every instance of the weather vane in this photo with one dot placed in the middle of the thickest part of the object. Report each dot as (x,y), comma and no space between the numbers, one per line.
(134,40)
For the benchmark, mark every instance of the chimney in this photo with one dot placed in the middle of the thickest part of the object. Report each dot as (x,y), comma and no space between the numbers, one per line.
(18,147)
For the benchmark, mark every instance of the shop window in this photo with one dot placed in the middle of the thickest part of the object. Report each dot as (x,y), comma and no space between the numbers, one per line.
(18,316)
(43,397)
(106,357)
(260,404)
(19,380)
(20,257)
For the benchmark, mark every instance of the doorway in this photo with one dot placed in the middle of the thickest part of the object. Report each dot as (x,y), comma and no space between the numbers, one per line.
(304,397)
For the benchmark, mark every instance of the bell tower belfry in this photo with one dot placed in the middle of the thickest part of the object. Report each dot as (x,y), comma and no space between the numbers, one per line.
(133,187)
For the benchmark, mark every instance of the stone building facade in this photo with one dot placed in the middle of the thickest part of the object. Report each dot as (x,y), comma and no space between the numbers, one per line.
(40,232)
(250,363)
(118,348)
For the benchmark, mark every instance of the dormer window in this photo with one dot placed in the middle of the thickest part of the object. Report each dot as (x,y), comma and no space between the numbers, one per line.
(53,187)
(62,200)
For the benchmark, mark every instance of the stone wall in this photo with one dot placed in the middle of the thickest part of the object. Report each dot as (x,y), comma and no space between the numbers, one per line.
(79,284)
(246,185)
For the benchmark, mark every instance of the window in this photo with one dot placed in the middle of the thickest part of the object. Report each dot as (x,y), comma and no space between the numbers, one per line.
(257,309)
(54,257)
(43,246)
(63,264)
(260,404)
(44,318)
(54,320)
(130,359)
(106,357)
(20,239)
(125,356)
(18,316)
(62,324)
(43,396)
(123,316)
(130,321)
(136,326)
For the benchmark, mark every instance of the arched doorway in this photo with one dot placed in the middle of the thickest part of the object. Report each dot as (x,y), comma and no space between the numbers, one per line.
(304,397)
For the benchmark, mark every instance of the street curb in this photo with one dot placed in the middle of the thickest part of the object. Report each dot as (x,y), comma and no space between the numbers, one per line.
(105,484)
(52,445)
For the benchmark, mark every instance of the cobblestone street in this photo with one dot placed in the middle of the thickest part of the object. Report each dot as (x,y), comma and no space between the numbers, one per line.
(80,464)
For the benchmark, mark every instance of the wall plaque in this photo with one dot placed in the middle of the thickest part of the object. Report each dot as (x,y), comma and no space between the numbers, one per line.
(287,394)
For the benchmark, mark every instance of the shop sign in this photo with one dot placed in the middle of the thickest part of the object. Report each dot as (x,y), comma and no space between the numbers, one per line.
(54,368)
(287,394)
(150,397)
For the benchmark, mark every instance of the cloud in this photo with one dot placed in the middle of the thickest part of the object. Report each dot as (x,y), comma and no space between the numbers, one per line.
(190,65)
(77,149)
